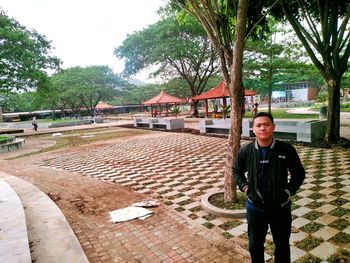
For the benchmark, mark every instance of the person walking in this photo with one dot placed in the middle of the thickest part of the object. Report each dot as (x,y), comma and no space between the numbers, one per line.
(35,123)
(261,172)
(255,110)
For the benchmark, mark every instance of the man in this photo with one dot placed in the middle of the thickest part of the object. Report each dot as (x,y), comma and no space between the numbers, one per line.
(35,123)
(266,161)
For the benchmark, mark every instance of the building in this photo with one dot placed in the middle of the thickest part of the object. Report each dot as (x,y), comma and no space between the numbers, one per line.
(300,91)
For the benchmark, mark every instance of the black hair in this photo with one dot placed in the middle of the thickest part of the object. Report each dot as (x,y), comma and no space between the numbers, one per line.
(263,114)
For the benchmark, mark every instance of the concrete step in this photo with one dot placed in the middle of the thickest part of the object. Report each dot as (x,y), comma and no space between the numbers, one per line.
(51,237)
(14,245)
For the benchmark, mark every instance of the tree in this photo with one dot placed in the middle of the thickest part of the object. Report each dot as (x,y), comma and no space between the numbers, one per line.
(180,49)
(323,29)
(24,56)
(264,58)
(15,102)
(76,87)
(220,19)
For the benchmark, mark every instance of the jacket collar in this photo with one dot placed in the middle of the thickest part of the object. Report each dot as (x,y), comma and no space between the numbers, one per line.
(271,147)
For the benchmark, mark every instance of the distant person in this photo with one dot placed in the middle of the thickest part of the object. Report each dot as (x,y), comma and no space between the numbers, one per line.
(216,109)
(244,105)
(35,123)
(269,172)
(255,110)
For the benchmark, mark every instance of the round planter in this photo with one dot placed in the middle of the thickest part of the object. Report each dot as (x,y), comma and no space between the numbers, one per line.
(211,209)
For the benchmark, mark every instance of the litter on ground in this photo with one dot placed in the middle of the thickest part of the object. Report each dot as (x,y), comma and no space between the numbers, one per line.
(147,203)
(129,213)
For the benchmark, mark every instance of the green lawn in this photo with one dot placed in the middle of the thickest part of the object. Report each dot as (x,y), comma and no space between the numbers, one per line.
(283,114)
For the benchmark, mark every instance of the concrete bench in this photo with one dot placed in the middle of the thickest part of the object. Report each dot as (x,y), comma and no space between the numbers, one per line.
(144,122)
(159,123)
(216,126)
(305,131)
(67,124)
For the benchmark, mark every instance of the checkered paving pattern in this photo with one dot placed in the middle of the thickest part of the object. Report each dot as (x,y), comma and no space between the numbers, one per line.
(179,168)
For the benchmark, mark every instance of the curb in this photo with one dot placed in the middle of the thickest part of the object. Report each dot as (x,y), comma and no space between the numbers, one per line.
(220,211)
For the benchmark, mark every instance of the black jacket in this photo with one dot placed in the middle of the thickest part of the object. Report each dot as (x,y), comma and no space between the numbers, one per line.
(283,158)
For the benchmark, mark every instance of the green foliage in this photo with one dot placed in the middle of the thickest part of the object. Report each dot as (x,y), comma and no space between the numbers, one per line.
(177,51)
(76,87)
(24,56)
(14,102)
(276,59)
(322,97)
(225,110)
(175,110)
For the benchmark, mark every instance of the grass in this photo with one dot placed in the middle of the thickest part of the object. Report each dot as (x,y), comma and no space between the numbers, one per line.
(218,201)
(308,243)
(283,114)
(4,138)
(76,140)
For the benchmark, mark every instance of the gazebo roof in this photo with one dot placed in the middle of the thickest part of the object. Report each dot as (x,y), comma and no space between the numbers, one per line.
(220,91)
(163,98)
(102,106)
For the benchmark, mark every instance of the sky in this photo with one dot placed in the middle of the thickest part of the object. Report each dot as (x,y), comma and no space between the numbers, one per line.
(85,32)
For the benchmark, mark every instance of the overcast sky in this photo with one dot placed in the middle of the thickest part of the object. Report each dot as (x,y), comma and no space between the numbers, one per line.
(85,32)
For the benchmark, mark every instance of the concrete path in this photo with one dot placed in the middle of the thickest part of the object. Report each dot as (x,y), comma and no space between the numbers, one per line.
(50,237)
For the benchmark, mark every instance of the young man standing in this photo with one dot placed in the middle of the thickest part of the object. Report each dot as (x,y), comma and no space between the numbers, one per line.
(266,162)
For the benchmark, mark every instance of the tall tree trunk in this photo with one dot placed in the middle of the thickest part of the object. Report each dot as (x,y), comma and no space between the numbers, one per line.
(195,108)
(237,97)
(333,110)
(270,90)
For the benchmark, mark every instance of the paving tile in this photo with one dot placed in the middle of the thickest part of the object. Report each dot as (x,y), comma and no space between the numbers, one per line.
(326,233)
(296,253)
(301,211)
(326,208)
(295,237)
(199,162)
(303,201)
(324,251)
(347,230)
(300,222)
(326,219)
(239,230)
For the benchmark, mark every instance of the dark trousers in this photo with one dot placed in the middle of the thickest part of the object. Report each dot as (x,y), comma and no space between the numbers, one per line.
(280,222)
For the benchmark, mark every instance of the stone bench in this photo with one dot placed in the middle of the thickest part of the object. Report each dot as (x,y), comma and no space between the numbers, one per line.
(144,122)
(216,126)
(67,124)
(304,131)
(159,123)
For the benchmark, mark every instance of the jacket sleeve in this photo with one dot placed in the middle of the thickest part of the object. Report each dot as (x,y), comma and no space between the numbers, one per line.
(296,170)
(239,169)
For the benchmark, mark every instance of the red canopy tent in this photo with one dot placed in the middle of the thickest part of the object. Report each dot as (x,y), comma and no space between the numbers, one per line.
(162,98)
(220,91)
(102,106)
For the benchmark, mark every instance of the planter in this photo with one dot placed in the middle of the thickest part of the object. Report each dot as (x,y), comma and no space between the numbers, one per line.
(211,209)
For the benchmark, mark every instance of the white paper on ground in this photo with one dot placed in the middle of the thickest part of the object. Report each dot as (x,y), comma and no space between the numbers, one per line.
(147,203)
(129,213)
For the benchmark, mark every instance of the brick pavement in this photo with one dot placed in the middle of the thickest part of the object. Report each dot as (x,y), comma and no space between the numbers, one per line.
(179,168)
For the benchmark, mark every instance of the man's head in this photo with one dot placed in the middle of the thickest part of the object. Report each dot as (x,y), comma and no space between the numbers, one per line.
(263,128)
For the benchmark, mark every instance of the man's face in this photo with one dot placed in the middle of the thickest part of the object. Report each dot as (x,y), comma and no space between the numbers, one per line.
(263,128)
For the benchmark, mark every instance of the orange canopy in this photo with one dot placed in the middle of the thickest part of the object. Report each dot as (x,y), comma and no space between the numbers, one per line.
(102,106)
(163,98)
(220,91)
